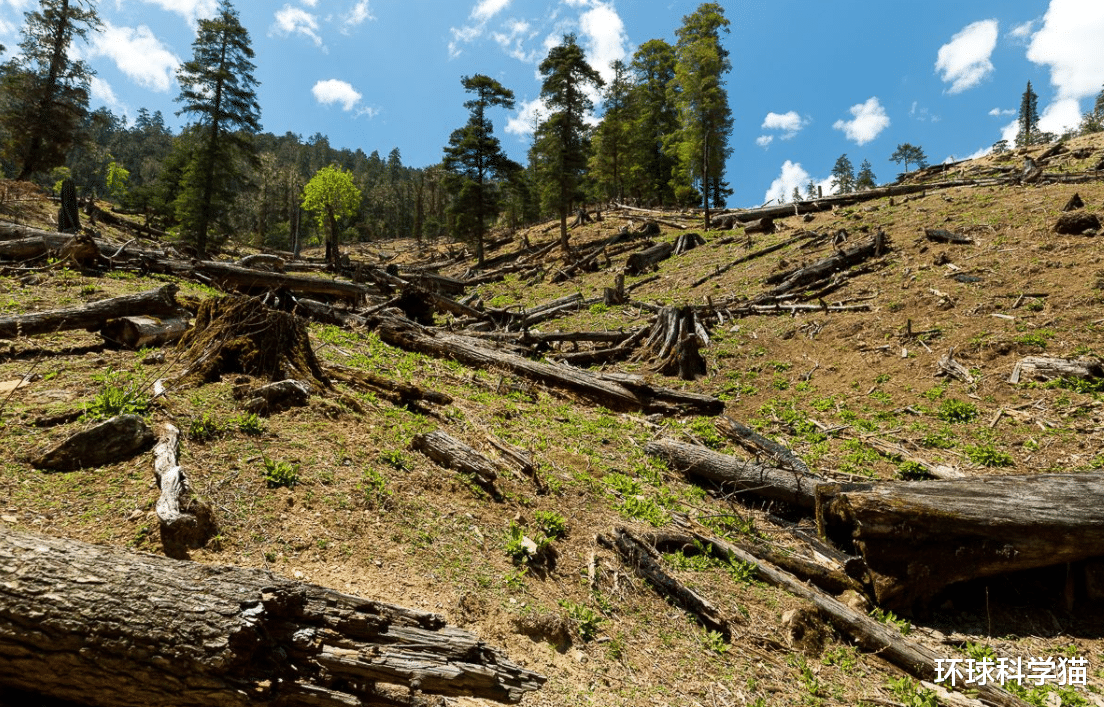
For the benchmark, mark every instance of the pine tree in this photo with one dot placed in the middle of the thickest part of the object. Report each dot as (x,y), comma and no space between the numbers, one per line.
(217,86)
(796,195)
(1029,118)
(45,92)
(1093,121)
(705,119)
(332,196)
(561,143)
(609,166)
(907,153)
(474,158)
(649,173)
(866,179)
(843,175)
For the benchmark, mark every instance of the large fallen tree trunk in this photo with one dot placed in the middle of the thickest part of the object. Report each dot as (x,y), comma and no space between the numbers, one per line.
(103,626)
(919,537)
(252,281)
(774,483)
(821,269)
(92,316)
(450,453)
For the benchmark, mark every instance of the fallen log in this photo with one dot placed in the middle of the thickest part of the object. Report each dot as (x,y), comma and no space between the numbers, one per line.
(759,225)
(251,281)
(938,471)
(942,235)
(137,332)
(874,636)
(397,391)
(186,521)
(762,447)
(450,453)
(772,483)
(990,525)
(644,560)
(103,626)
(1046,368)
(644,260)
(839,260)
(92,316)
(752,256)
(116,439)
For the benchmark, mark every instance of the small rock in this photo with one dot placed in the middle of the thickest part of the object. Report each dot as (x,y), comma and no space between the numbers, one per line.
(9,519)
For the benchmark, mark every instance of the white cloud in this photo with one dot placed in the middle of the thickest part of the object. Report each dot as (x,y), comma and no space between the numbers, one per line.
(964,61)
(790,124)
(764,140)
(296,20)
(604,37)
(190,10)
(1022,32)
(1069,42)
(360,13)
(138,54)
(333,91)
(1061,115)
(528,116)
(513,38)
(103,93)
(486,9)
(998,112)
(793,175)
(869,119)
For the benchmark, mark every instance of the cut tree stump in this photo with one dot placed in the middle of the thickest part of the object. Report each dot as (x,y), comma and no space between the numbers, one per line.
(92,316)
(1076,223)
(688,241)
(120,438)
(908,532)
(103,626)
(675,342)
(773,483)
(1075,202)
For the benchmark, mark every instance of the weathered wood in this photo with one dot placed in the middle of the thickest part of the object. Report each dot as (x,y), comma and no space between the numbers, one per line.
(767,482)
(249,280)
(397,391)
(262,261)
(103,626)
(675,342)
(759,225)
(990,525)
(938,471)
(114,440)
(645,561)
(644,260)
(1046,368)
(275,397)
(752,256)
(139,331)
(327,314)
(764,448)
(186,521)
(874,636)
(450,453)
(688,241)
(840,260)
(949,366)
(942,235)
(92,316)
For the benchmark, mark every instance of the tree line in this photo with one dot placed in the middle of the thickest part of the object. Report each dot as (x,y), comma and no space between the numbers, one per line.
(662,140)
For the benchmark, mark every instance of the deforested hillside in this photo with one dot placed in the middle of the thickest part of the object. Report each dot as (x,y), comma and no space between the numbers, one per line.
(806,458)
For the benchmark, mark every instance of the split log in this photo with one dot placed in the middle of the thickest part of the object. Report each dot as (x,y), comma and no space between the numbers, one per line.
(768,482)
(765,448)
(1046,368)
(103,626)
(120,438)
(688,241)
(140,331)
(840,260)
(645,561)
(874,636)
(942,235)
(397,392)
(186,521)
(92,316)
(949,366)
(991,525)
(644,260)
(451,453)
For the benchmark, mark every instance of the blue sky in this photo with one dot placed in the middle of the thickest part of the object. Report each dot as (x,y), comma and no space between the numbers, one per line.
(810,80)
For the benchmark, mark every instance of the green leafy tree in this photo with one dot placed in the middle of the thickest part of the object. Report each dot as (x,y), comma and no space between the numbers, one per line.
(218,88)
(118,181)
(865,179)
(44,90)
(474,159)
(651,165)
(1028,133)
(843,175)
(562,140)
(698,88)
(909,154)
(332,196)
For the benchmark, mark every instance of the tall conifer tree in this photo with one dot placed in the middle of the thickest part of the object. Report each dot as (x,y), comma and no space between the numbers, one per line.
(705,119)
(474,157)
(656,119)
(1029,118)
(217,88)
(561,144)
(44,90)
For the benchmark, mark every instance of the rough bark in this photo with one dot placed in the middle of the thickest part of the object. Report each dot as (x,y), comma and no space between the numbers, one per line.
(767,482)
(186,521)
(765,449)
(1045,368)
(114,440)
(675,342)
(907,531)
(821,269)
(249,280)
(140,331)
(92,316)
(102,626)
(450,453)
(644,260)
